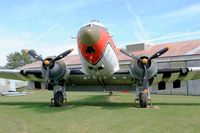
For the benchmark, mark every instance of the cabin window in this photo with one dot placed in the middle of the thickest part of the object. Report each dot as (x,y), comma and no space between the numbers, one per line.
(177,84)
(90,49)
(162,85)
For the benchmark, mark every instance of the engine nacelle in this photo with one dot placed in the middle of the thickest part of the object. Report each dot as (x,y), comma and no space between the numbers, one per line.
(57,70)
(137,69)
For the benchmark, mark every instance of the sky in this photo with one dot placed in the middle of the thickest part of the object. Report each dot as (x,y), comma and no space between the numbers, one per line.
(48,25)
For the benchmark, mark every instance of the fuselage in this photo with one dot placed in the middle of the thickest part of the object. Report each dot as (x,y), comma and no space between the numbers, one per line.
(97,50)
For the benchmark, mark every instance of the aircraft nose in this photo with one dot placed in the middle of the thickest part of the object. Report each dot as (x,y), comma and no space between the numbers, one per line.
(89,36)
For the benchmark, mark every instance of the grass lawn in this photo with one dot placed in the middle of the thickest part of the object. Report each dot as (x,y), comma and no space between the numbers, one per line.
(96,112)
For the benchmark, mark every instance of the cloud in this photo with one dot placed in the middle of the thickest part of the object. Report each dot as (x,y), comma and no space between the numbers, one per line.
(172,21)
(139,30)
(185,12)
(11,42)
(53,50)
(178,16)
(3,60)
(43,49)
(176,35)
(45,33)
(196,26)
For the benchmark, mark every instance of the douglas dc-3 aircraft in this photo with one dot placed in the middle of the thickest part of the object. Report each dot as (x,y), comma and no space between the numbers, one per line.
(100,63)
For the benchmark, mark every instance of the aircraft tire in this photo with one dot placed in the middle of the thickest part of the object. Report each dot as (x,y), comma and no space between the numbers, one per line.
(143,98)
(58,99)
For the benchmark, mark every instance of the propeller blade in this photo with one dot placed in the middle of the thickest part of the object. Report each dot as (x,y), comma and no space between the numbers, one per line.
(34,55)
(62,55)
(145,78)
(129,54)
(47,78)
(159,53)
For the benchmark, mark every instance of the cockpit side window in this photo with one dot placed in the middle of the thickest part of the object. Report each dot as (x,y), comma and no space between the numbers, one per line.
(88,25)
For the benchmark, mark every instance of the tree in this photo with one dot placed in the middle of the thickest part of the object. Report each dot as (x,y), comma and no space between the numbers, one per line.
(18,59)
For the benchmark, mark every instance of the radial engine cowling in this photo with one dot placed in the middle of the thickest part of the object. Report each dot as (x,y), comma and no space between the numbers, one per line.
(57,69)
(137,69)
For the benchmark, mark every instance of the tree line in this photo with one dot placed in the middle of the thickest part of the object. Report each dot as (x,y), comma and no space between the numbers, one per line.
(18,59)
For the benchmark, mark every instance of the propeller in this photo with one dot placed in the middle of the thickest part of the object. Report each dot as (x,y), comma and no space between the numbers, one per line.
(145,60)
(62,55)
(129,54)
(48,63)
(33,54)
(47,79)
(144,63)
(159,53)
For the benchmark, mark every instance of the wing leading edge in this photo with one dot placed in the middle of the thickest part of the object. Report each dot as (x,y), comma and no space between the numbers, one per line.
(172,74)
(24,75)
(122,77)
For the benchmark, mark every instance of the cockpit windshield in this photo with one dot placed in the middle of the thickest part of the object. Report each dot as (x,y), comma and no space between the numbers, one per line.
(93,23)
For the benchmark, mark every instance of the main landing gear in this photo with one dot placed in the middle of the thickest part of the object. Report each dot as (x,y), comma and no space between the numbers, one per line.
(110,93)
(59,96)
(143,98)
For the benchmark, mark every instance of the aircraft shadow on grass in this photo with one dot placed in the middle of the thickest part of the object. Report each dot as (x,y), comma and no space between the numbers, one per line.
(101,101)
(177,104)
(92,101)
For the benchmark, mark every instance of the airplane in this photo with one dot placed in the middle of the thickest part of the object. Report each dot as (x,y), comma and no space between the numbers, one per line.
(100,66)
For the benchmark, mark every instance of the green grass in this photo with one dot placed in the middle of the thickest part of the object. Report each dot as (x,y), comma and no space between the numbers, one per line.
(90,112)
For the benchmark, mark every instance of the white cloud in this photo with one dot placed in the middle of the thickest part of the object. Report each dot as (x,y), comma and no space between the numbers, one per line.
(45,33)
(177,16)
(139,30)
(176,35)
(12,43)
(3,60)
(185,12)
(195,26)
(42,49)
(54,50)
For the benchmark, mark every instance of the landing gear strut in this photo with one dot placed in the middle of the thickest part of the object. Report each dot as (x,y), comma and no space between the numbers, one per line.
(110,93)
(143,98)
(59,96)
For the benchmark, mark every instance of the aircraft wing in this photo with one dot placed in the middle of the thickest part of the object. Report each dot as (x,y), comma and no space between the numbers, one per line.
(74,77)
(122,77)
(23,74)
(172,74)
